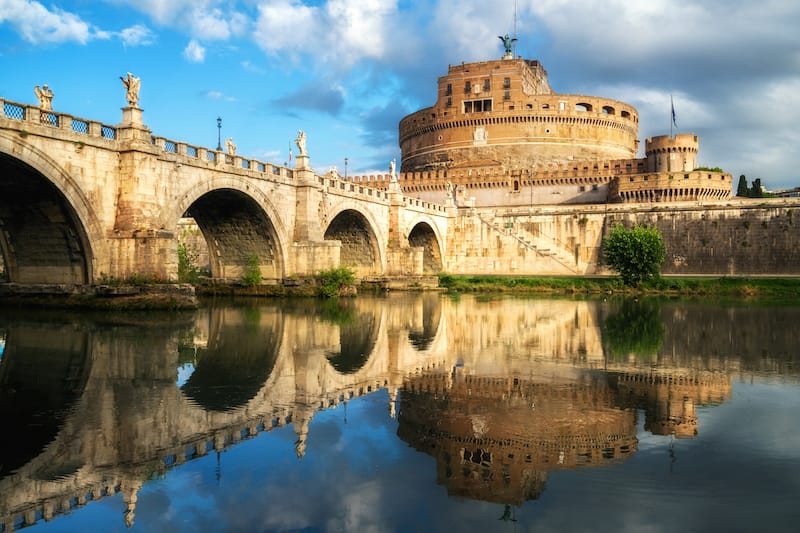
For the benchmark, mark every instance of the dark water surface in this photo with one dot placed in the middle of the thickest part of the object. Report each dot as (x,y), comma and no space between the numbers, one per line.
(403,413)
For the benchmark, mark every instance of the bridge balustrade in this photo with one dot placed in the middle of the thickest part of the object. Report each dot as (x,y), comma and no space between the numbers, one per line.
(26,113)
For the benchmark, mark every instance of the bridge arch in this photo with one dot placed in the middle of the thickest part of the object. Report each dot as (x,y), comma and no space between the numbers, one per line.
(50,232)
(237,222)
(424,233)
(362,247)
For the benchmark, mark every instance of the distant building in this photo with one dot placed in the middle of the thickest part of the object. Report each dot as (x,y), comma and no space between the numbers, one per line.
(498,134)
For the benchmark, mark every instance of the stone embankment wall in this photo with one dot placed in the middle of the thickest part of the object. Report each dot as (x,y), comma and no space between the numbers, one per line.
(735,237)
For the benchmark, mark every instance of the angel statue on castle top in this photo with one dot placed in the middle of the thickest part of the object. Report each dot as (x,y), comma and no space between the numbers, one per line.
(508,42)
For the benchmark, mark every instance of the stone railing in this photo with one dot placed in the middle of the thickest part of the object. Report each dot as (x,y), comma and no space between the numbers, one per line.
(62,121)
(220,157)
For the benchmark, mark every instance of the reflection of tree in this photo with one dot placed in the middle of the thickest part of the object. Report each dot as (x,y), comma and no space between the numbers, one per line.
(336,312)
(636,328)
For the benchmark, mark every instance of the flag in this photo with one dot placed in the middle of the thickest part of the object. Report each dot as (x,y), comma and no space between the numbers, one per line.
(290,154)
(672,105)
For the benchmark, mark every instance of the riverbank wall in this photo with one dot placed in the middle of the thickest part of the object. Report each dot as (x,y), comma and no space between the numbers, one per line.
(732,238)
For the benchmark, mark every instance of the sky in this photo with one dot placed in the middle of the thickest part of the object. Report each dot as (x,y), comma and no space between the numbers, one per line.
(347,71)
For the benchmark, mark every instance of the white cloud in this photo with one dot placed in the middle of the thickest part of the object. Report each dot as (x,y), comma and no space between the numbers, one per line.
(194,52)
(218,95)
(39,25)
(138,35)
(203,19)
(341,32)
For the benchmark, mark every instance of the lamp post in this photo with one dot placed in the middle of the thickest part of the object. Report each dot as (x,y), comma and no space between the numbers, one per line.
(345,168)
(219,134)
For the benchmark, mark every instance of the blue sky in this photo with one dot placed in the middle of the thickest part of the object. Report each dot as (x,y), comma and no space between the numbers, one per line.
(346,71)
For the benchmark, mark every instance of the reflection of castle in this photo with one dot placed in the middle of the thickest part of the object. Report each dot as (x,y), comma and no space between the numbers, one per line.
(494,439)
(670,398)
(498,133)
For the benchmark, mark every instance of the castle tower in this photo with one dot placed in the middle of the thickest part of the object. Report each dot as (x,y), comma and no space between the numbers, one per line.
(504,112)
(672,154)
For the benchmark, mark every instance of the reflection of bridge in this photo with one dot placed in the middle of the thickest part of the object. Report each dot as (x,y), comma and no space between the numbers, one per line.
(79,199)
(499,379)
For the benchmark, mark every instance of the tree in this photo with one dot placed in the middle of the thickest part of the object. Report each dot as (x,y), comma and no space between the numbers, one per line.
(636,253)
(756,191)
(742,189)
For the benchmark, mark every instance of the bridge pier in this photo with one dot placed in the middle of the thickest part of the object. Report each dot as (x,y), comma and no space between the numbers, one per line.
(311,251)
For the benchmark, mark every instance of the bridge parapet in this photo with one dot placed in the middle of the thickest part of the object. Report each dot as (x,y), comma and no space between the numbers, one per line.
(191,154)
(35,115)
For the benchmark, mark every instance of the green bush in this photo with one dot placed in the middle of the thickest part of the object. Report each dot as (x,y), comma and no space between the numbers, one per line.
(332,280)
(251,276)
(636,253)
(188,271)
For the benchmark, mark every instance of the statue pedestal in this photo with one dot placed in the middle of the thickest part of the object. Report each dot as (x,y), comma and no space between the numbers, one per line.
(132,116)
(302,162)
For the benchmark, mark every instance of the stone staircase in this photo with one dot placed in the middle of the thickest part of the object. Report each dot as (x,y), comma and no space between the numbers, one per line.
(541,245)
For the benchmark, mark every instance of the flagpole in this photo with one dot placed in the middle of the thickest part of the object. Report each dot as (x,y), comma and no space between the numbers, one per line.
(671,115)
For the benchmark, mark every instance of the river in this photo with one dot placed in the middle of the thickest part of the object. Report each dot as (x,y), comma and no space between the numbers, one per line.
(406,412)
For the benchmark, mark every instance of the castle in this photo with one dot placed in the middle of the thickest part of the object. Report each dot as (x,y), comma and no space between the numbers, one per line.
(498,135)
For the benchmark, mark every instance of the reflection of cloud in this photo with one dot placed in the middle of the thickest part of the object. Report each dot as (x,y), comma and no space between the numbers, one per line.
(185,371)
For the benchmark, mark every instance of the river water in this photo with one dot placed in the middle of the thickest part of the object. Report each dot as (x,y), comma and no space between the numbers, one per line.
(409,412)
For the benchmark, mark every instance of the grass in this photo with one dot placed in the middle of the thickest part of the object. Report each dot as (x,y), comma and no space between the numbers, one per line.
(739,287)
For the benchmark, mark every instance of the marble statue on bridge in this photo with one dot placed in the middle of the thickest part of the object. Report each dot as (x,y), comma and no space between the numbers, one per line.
(132,84)
(301,143)
(229,146)
(45,96)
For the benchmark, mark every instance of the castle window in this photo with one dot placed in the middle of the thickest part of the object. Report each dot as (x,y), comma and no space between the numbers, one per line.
(545,106)
(507,95)
(467,87)
(583,107)
(562,105)
(506,83)
(626,114)
(477,106)
(449,101)
(487,85)
(594,187)
(608,110)
(449,89)
(516,185)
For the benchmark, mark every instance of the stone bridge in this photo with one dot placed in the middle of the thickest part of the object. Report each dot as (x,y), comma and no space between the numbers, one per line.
(81,200)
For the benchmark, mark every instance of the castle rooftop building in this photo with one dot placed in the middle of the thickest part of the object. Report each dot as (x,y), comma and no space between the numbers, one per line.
(499,136)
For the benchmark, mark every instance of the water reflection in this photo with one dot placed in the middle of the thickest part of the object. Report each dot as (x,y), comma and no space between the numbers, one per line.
(503,393)
(234,353)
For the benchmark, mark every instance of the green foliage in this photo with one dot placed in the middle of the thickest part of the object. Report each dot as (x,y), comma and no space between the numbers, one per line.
(755,191)
(135,279)
(709,169)
(636,253)
(251,276)
(188,271)
(332,280)
(636,329)
(742,189)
